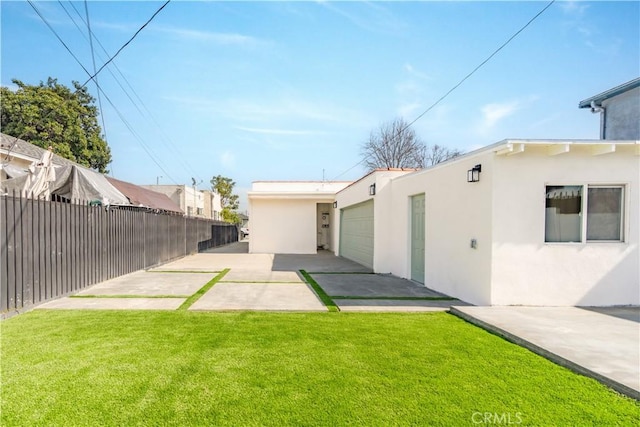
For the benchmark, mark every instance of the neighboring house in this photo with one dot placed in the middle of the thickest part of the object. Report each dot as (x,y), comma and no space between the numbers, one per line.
(72,182)
(143,197)
(16,155)
(203,204)
(520,222)
(292,217)
(619,110)
(212,205)
(244,221)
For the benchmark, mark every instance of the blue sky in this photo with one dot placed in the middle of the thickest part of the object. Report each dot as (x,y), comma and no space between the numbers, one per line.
(283,90)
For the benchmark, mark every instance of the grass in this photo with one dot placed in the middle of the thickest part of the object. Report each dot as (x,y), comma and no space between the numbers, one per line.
(118,368)
(324,297)
(203,290)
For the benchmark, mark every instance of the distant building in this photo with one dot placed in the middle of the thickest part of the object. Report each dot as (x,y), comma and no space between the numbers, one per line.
(619,110)
(197,203)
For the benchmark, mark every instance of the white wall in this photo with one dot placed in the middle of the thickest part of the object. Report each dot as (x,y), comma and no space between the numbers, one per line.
(285,226)
(456,212)
(528,271)
(621,116)
(383,213)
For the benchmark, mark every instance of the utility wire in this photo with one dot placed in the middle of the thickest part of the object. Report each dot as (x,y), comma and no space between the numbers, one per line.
(127,43)
(99,89)
(93,59)
(149,115)
(432,106)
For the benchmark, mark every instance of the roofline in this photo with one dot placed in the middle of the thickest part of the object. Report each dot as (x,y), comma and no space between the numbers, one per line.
(507,144)
(625,87)
(409,170)
(301,182)
(296,195)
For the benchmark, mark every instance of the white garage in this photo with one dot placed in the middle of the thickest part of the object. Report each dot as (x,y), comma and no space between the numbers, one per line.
(356,233)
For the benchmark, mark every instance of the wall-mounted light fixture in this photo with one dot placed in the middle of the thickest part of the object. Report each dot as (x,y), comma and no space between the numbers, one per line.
(372,189)
(335,205)
(473,174)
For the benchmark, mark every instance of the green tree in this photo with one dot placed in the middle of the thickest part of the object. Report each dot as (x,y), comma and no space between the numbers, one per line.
(51,114)
(229,201)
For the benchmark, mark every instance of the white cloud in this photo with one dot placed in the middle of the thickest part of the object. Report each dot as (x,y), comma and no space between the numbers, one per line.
(228,159)
(415,73)
(277,131)
(250,111)
(409,109)
(370,16)
(209,36)
(493,113)
(573,7)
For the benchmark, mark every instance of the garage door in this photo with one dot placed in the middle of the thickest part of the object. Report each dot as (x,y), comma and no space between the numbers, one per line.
(356,233)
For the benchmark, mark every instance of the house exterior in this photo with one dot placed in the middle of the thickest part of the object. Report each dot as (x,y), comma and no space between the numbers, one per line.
(547,223)
(194,202)
(212,205)
(292,217)
(520,222)
(619,110)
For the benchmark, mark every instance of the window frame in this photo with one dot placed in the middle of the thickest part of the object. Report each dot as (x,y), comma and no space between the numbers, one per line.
(584,214)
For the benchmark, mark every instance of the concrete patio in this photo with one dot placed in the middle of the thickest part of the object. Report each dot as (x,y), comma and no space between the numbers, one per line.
(602,343)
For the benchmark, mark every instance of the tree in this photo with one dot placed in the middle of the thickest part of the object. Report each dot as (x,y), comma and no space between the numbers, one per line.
(52,114)
(393,145)
(229,201)
(437,154)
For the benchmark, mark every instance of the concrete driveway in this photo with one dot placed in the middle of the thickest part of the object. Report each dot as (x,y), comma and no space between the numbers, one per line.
(602,343)
(257,282)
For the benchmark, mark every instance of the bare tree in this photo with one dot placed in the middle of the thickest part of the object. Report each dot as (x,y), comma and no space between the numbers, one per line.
(393,145)
(437,154)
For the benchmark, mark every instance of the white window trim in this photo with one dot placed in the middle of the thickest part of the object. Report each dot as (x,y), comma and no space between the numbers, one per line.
(624,211)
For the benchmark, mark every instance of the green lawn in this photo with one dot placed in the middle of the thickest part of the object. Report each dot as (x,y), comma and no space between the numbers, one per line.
(128,368)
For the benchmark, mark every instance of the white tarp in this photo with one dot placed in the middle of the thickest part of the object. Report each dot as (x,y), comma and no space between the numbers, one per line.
(70,182)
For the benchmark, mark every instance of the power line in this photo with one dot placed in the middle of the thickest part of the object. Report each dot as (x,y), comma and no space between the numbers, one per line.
(93,60)
(127,43)
(166,140)
(432,106)
(126,123)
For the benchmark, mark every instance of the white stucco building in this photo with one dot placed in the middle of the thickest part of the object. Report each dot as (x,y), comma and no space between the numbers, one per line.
(520,222)
(194,202)
(292,217)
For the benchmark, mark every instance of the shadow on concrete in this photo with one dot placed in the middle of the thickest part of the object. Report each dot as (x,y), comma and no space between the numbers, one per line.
(626,313)
(373,285)
(322,262)
(232,248)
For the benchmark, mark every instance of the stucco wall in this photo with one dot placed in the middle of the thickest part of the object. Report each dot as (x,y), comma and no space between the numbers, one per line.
(528,271)
(621,120)
(383,211)
(285,226)
(455,212)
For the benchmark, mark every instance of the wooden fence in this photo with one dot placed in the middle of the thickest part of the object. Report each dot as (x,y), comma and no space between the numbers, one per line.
(49,249)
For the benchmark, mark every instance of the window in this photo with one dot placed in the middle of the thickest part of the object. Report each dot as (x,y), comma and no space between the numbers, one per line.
(604,213)
(564,219)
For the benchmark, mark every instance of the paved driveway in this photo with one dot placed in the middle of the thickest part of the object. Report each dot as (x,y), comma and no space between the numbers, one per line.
(603,343)
(257,282)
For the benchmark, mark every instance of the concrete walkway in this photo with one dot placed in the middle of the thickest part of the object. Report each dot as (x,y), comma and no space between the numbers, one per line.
(601,343)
